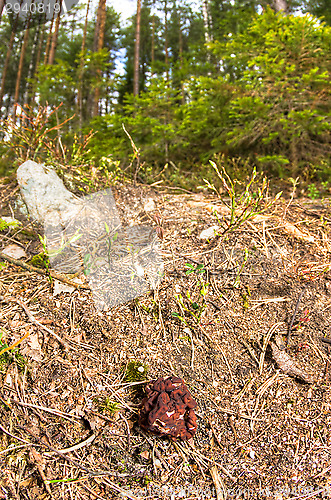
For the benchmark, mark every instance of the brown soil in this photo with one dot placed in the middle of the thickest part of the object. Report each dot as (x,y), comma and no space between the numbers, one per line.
(262,434)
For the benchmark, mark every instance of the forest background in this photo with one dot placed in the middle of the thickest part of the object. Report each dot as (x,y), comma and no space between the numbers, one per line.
(243,82)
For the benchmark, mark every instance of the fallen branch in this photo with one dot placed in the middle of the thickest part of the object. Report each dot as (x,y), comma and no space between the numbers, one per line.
(33,269)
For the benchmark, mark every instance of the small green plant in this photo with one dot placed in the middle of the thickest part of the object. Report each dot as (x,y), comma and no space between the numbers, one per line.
(4,225)
(40,260)
(245,301)
(240,270)
(244,205)
(135,371)
(191,307)
(110,241)
(45,256)
(313,192)
(199,269)
(105,405)
(9,357)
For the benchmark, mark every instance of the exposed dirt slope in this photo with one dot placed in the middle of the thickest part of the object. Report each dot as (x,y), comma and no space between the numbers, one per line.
(261,433)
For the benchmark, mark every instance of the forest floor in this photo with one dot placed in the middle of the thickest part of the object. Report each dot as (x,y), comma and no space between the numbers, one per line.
(262,433)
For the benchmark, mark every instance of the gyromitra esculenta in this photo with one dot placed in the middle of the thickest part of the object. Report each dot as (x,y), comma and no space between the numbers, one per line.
(168,409)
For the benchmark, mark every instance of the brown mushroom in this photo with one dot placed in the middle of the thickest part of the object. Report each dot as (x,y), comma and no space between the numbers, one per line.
(168,409)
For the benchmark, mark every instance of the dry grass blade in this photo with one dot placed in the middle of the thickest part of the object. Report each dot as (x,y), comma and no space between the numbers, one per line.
(77,446)
(220,488)
(52,411)
(15,344)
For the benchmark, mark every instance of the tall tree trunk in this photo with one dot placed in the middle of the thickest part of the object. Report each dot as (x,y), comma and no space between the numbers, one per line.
(101,21)
(49,39)
(40,46)
(153,39)
(55,35)
(32,62)
(41,35)
(81,71)
(280,5)
(166,48)
(137,51)
(2,4)
(20,65)
(181,55)
(206,20)
(6,63)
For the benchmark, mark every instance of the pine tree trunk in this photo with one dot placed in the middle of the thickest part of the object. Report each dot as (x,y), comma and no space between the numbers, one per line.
(40,46)
(81,71)
(137,51)
(166,48)
(40,42)
(20,66)
(55,36)
(32,62)
(153,39)
(101,21)
(6,63)
(49,39)
(181,56)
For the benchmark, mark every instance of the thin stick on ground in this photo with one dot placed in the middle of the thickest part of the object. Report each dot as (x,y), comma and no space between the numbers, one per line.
(37,270)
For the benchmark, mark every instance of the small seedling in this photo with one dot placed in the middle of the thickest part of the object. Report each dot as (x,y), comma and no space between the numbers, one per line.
(105,405)
(194,308)
(298,325)
(242,205)
(43,242)
(313,192)
(199,269)
(110,241)
(40,260)
(237,280)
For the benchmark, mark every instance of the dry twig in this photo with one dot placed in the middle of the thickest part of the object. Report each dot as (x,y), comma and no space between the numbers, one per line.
(33,269)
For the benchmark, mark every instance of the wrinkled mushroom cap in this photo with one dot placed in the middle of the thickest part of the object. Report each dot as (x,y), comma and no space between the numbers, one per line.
(168,409)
